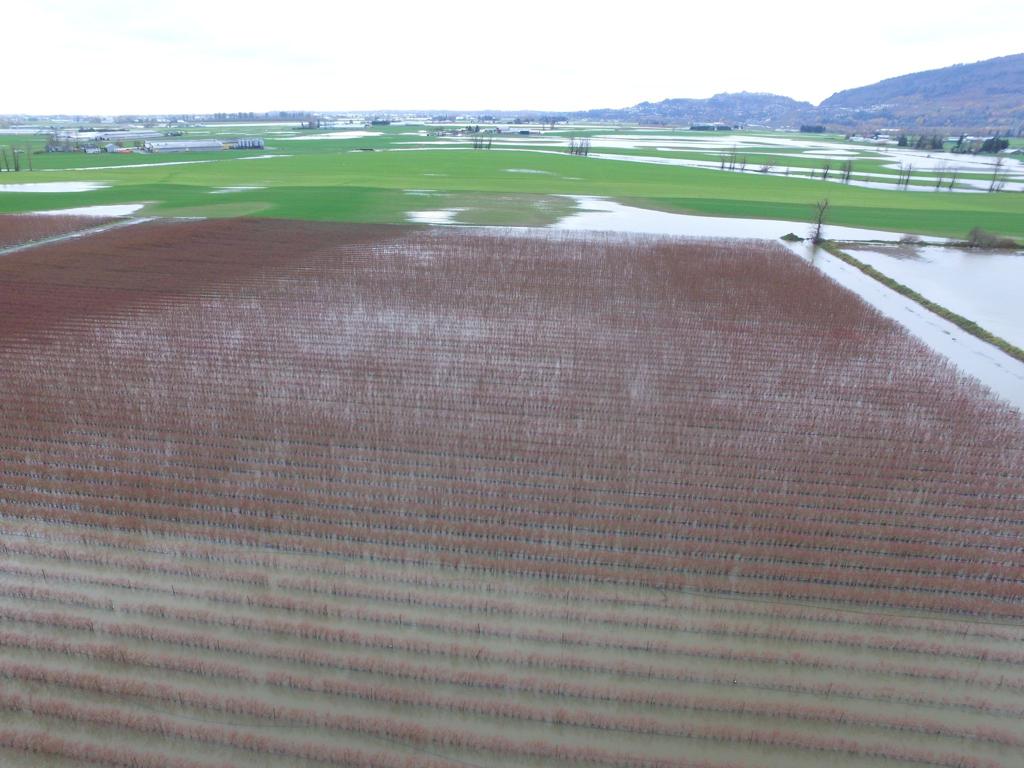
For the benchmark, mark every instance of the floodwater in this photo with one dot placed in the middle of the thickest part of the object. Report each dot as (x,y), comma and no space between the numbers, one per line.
(227,190)
(54,186)
(259,157)
(601,215)
(983,286)
(127,165)
(229,124)
(781,146)
(332,135)
(444,216)
(125,209)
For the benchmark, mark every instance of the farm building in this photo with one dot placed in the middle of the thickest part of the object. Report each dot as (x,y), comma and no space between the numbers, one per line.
(204,145)
(244,143)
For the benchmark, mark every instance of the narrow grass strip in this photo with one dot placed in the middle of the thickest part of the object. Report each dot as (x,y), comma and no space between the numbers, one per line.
(960,321)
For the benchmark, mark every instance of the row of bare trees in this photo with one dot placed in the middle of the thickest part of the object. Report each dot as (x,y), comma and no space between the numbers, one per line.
(19,159)
(579,145)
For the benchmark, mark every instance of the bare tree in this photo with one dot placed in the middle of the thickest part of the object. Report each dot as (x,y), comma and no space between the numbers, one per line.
(903,178)
(998,179)
(826,168)
(579,145)
(847,171)
(818,226)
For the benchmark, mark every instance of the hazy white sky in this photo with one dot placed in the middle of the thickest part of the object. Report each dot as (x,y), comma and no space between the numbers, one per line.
(137,56)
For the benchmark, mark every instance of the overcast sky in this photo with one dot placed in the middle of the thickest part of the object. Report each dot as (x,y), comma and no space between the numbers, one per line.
(182,56)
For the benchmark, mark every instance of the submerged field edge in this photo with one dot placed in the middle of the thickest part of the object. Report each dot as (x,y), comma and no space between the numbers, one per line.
(960,321)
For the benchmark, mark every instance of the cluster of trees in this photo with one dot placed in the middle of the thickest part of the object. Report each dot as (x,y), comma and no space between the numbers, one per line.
(933,141)
(579,145)
(991,146)
(16,160)
(963,145)
(845,170)
(732,162)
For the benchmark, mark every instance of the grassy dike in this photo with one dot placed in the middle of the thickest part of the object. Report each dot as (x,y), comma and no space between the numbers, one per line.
(960,321)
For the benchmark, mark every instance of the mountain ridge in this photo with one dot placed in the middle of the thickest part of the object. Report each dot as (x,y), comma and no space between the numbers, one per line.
(985,96)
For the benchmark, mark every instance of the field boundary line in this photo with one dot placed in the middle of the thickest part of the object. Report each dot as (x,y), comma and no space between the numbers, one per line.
(73,235)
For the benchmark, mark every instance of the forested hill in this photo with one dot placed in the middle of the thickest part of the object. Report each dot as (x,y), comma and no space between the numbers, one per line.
(746,108)
(987,96)
(984,95)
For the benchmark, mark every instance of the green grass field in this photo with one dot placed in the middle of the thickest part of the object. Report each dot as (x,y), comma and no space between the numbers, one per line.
(519,182)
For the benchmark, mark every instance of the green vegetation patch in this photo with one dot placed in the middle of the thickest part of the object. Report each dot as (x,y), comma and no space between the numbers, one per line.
(334,179)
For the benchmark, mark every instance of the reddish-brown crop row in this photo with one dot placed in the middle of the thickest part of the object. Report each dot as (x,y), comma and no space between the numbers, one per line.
(433,592)
(480,653)
(49,746)
(395,673)
(251,707)
(490,629)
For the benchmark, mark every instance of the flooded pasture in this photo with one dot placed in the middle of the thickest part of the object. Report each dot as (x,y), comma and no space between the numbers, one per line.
(333,135)
(229,190)
(983,286)
(124,209)
(602,215)
(54,186)
(444,216)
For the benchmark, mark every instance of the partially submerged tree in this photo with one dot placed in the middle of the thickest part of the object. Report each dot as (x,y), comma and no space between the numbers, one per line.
(980,238)
(579,145)
(818,226)
(998,178)
(905,172)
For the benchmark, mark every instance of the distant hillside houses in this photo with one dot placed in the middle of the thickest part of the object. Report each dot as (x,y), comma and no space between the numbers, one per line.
(203,145)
